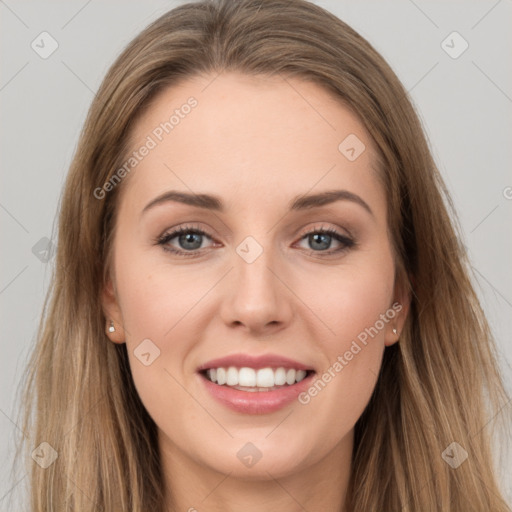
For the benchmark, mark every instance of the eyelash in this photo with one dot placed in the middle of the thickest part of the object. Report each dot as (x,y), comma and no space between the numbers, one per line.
(164,239)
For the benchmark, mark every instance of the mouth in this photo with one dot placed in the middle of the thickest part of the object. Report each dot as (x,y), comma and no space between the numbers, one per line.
(255,385)
(255,380)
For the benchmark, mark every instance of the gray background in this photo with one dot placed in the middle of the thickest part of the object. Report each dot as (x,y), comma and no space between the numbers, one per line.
(465,105)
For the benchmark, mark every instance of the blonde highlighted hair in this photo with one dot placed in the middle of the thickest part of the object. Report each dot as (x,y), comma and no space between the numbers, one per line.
(439,384)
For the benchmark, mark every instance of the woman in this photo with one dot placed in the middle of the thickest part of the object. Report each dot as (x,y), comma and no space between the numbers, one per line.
(260,300)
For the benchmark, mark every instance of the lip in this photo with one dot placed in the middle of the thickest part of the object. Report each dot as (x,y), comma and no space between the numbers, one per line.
(256,362)
(257,402)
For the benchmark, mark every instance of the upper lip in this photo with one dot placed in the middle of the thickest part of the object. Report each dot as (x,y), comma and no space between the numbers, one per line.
(256,362)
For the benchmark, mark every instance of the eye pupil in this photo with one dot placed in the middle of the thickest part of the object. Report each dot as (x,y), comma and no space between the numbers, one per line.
(317,237)
(189,238)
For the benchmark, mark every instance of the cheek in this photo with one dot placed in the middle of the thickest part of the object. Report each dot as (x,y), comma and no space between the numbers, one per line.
(357,308)
(156,297)
(162,314)
(350,299)
(159,323)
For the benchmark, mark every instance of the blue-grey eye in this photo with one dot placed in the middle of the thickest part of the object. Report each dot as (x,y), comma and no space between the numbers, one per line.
(190,241)
(320,240)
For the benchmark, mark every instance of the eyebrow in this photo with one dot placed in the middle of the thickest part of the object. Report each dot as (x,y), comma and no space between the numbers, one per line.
(299,203)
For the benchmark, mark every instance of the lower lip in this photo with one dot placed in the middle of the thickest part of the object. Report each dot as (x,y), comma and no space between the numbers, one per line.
(256,402)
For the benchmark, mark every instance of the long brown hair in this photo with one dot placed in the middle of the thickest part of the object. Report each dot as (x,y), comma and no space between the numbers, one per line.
(440,384)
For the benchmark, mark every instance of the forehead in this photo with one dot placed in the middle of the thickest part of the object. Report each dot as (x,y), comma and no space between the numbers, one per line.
(256,141)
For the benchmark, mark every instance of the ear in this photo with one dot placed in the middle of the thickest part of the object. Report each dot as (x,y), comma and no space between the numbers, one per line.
(397,313)
(112,313)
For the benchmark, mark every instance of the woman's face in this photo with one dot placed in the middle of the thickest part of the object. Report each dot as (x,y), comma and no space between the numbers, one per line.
(255,279)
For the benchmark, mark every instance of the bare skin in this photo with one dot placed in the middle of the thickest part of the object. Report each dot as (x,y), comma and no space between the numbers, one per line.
(257,144)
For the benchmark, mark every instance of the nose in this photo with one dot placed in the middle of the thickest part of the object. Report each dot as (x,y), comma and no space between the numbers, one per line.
(257,298)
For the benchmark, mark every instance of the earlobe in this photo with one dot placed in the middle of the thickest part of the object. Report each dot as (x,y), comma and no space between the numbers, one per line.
(400,307)
(114,327)
(392,336)
(115,332)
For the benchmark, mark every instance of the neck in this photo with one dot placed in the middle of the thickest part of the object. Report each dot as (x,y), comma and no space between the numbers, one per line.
(192,487)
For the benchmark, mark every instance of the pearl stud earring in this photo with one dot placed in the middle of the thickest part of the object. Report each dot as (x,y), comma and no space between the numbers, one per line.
(395,332)
(111,327)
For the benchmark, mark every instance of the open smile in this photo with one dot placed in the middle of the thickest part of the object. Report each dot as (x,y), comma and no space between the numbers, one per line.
(255,385)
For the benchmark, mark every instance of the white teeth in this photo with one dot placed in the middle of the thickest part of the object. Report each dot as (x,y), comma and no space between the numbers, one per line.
(246,377)
(251,378)
(300,374)
(221,376)
(290,376)
(280,376)
(265,378)
(232,376)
